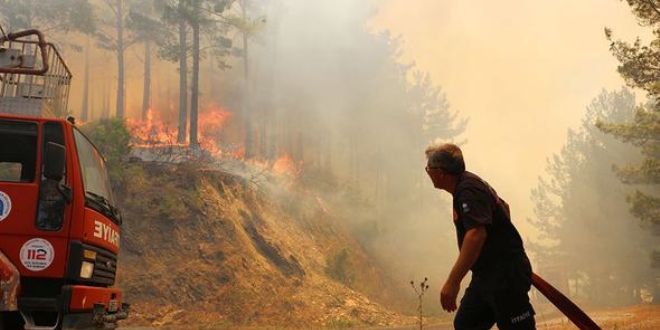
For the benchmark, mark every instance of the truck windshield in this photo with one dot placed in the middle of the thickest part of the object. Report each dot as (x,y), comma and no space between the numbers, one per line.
(94,173)
(18,150)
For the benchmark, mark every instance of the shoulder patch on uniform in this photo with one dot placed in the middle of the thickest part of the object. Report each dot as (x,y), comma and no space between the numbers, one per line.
(465,207)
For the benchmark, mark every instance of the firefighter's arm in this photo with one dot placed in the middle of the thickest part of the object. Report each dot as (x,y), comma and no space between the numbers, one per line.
(470,249)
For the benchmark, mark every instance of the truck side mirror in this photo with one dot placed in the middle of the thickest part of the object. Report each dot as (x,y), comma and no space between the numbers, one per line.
(55,161)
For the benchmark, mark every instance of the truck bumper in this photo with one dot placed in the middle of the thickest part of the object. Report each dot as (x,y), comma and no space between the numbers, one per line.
(103,304)
(81,298)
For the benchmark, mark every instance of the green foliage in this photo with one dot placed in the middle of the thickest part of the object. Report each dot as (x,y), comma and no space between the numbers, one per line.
(52,15)
(339,267)
(640,67)
(107,29)
(143,22)
(580,205)
(112,138)
(204,13)
(341,323)
(645,207)
(433,107)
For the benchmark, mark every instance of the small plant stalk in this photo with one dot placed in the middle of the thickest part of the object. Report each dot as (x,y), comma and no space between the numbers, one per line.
(420,304)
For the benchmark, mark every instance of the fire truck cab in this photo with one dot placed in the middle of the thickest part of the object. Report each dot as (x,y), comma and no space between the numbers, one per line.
(59,226)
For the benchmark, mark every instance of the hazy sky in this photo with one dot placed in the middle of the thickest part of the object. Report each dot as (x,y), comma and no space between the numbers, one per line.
(523,71)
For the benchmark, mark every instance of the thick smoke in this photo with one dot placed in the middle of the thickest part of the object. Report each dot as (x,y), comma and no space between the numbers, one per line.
(341,101)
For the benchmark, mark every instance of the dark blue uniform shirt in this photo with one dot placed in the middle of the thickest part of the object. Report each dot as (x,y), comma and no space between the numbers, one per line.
(477,204)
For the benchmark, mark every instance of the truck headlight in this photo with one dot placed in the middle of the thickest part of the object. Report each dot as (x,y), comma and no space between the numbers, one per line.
(87,269)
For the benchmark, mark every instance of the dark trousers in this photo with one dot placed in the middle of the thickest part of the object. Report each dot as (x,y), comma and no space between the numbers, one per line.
(505,304)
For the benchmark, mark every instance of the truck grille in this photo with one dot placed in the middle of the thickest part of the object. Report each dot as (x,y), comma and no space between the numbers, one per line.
(105,265)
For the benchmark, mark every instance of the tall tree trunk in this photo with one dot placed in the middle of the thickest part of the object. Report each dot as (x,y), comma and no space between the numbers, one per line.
(120,59)
(183,78)
(249,135)
(84,111)
(146,94)
(272,116)
(105,114)
(194,93)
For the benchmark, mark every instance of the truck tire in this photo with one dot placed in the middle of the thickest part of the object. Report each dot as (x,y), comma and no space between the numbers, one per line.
(11,321)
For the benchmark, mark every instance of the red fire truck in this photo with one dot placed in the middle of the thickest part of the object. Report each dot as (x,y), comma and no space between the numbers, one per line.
(59,226)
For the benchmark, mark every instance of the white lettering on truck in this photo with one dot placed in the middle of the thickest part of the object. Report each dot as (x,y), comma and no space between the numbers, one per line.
(105,232)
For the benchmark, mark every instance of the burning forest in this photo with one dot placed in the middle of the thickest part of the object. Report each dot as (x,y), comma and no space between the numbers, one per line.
(268,159)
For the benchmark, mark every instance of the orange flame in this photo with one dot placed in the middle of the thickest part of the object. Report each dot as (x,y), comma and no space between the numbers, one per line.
(150,131)
(285,164)
(240,153)
(157,134)
(154,131)
(211,122)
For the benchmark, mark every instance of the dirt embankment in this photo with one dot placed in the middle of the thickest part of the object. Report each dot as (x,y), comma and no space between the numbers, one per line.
(214,248)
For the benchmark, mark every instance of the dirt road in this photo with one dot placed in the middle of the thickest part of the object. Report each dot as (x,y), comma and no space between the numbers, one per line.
(638,317)
(410,327)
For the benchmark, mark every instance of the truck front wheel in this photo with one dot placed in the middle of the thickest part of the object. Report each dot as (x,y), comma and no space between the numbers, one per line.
(11,321)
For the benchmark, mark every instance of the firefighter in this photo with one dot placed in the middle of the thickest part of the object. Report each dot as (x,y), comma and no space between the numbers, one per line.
(489,246)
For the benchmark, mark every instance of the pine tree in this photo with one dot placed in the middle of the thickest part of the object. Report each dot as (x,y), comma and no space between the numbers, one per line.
(640,67)
(582,214)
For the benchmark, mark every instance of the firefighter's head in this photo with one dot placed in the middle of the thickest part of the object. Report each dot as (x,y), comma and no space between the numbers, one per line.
(444,163)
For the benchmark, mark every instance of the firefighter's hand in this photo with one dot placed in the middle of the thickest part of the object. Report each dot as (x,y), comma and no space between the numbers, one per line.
(448,295)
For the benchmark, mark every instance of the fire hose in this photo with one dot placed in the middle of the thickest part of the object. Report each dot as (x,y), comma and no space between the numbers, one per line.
(565,305)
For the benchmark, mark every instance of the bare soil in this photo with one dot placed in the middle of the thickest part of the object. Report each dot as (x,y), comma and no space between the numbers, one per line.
(639,317)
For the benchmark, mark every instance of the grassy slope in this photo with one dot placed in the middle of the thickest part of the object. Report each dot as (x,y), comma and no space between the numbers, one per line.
(209,247)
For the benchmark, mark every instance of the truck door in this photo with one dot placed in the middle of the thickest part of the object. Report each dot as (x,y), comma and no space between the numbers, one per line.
(34,230)
(52,190)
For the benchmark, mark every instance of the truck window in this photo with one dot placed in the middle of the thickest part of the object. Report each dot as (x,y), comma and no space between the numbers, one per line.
(18,151)
(11,171)
(92,167)
(50,215)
